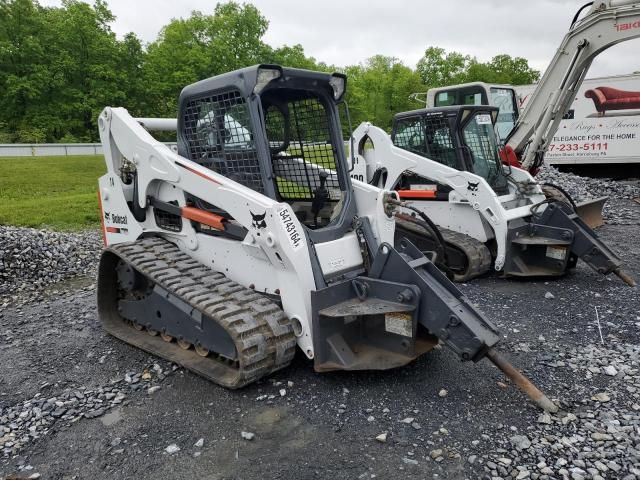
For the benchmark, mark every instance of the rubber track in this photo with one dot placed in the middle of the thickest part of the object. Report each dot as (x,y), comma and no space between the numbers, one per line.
(478,255)
(262,334)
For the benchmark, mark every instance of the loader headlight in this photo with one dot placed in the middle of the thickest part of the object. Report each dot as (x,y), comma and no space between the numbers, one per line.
(338,83)
(266,74)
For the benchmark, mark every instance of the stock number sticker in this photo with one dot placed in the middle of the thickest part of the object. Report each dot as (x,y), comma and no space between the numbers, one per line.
(295,238)
(483,119)
(557,253)
(399,323)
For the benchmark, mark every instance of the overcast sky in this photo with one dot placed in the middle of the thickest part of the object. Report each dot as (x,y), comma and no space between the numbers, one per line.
(344,32)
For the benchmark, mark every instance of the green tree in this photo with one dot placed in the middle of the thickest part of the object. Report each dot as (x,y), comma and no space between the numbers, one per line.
(23,67)
(199,47)
(438,68)
(291,56)
(515,71)
(379,88)
(60,66)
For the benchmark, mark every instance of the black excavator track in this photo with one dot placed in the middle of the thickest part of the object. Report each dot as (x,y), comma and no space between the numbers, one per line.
(142,281)
(467,257)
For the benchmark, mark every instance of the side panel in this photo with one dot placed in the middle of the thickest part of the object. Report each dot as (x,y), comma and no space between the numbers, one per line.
(587,136)
(119,225)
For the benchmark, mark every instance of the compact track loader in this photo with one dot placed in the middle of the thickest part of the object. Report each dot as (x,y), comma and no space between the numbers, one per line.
(252,239)
(445,165)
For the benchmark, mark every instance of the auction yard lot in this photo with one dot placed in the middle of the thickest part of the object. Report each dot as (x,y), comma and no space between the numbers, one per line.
(76,403)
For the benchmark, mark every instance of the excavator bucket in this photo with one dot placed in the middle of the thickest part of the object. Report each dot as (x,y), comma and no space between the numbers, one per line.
(590,211)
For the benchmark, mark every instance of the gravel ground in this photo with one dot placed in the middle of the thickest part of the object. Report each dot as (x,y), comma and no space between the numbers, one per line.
(31,259)
(76,403)
(584,188)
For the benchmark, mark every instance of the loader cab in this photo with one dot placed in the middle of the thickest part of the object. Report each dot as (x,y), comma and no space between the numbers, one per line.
(460,137)
(479,93)
(275,130)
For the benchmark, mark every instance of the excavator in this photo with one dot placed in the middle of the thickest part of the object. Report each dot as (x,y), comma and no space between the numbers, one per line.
(251,240)
(447,163)
(527,134)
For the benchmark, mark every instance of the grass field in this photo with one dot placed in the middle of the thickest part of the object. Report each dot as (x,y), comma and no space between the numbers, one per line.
(54,192)
(60,192)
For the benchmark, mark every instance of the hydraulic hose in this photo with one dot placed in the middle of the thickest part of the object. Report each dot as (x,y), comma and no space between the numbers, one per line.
(563,191)
(426,223)
(575,17)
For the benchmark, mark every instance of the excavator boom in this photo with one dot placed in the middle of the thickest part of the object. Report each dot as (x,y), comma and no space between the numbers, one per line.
(605,25)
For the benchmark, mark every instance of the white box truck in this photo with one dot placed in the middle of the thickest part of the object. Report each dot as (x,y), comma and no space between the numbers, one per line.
(602,125)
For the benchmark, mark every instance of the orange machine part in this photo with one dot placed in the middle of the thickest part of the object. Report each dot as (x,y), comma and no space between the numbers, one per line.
(432,194)
(204,217)
(104,230)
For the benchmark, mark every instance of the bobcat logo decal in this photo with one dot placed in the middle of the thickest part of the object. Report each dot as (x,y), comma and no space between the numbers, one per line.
(472,187)
(258,220)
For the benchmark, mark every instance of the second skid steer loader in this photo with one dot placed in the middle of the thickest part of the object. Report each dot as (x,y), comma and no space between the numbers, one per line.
(252,239)
(445,164)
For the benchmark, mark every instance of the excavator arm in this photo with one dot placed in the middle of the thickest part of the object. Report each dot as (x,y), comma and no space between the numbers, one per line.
(606,24)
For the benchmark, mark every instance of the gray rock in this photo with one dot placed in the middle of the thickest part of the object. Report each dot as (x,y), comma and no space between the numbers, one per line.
(435,453)
(382,438)
(520,442)
(171,449)
(601,397)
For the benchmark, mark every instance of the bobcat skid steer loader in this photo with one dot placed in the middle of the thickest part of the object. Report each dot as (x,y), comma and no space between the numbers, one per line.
(445,165)
(252,239)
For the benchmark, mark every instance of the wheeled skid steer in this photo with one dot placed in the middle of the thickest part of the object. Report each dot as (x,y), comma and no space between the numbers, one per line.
(252,240)
(445,165)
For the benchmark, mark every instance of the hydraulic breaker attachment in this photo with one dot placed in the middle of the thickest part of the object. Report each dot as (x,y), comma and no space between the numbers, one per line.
(443,309)
(404,307)
(522,382)
(584,242)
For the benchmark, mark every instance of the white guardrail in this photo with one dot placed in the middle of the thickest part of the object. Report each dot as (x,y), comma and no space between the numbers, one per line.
(52,149)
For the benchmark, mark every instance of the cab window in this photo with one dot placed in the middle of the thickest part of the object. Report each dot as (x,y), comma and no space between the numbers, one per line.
(505,100)
(479,136)
(474,95)
(409,135)
(428,136)
(445,99)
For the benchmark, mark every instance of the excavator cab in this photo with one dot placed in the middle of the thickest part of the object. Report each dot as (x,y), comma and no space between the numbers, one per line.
(460,137)
(479,93)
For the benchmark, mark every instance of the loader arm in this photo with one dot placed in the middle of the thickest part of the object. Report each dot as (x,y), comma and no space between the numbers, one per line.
(606,24)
